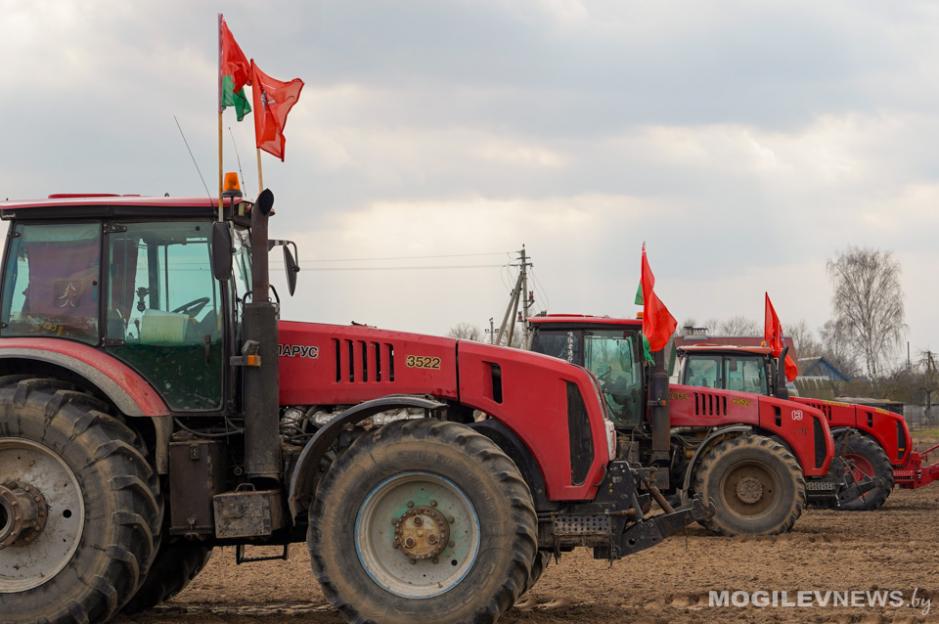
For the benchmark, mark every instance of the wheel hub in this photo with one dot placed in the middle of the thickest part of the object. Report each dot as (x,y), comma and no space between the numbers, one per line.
(422,532)
(23,514)
(42,514)
(749,490)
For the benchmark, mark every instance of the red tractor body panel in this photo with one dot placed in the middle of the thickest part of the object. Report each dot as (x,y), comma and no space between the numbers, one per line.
(890,430)
(121,383)
(323,364)
(803,429)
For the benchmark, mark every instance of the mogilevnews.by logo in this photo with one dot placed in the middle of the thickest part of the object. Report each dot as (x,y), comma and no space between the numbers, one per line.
(813,599)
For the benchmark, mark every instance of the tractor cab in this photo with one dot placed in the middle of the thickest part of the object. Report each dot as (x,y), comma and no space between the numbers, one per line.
(744,369)
(133,277)
(613,354)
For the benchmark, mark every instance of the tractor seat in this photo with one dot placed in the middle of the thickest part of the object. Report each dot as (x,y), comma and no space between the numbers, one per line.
(164,328)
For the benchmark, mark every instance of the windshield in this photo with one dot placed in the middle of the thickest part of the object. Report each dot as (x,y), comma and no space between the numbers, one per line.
(613,357)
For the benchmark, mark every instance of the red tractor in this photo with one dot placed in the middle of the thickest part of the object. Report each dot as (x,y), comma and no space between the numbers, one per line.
(747,453)
(875,442)
(152,406)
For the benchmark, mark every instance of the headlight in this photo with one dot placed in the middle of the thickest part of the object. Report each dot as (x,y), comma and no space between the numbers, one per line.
(610,437)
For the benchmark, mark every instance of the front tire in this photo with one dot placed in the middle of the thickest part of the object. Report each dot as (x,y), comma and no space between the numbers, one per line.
(97,508)
(755,484)
(422,521)
(867,459)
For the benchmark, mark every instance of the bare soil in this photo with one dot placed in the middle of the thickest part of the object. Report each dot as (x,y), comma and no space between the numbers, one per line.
(895,548)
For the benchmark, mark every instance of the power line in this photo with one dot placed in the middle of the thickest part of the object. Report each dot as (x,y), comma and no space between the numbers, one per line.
(368,259)
(399,268)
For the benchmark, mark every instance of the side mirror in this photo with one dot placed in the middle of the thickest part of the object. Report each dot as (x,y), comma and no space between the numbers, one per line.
(221,251)
(292,268)
(265,202)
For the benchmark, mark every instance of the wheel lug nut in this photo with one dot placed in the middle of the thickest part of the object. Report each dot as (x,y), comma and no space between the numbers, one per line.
(432,539)
(409,542)
(418,521)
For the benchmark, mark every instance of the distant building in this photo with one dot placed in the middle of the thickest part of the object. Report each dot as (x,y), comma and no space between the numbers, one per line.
(820,369)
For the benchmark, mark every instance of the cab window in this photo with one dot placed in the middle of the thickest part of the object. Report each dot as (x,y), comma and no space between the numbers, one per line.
(164,310)
(703,371)
(745,374)
(51,281)
(614,359)
(562,344)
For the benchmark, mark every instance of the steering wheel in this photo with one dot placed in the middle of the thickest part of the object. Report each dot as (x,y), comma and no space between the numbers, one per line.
(192,308)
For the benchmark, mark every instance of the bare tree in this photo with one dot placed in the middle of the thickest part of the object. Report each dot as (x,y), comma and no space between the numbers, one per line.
(868,303)
(804,339)
(465,331)
(738,326)
(838,349)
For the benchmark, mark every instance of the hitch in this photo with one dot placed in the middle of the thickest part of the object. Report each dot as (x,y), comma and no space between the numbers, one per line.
(653,530)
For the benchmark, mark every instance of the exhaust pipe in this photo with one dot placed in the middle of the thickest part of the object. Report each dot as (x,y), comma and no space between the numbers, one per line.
(261,381)
(658,418)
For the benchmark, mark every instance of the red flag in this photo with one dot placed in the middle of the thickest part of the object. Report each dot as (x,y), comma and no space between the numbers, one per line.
(658,324)
(273,99)
(773,335)
(234,72)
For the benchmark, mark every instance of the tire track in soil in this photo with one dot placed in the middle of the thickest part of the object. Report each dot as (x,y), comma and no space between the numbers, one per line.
(893,548)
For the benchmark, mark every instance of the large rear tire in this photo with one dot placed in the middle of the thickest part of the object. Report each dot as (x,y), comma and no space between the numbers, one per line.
(755,484)
(867,459)
(177,563)
(422,521)
(80,551)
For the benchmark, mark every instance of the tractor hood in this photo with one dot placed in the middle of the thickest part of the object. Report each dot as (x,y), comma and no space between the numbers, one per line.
(547,402)
(802,427)
(889,429)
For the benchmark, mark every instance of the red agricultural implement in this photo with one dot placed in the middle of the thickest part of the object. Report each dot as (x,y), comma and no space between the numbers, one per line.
(747,453)
(876,442)
(153,406)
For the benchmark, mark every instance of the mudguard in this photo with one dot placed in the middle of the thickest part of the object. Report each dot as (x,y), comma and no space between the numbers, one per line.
(304,475)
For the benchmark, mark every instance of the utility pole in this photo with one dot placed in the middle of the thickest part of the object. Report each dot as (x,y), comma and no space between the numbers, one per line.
(520,297)
(492,331)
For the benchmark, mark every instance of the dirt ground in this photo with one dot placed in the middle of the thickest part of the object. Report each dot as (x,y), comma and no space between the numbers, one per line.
(896,548)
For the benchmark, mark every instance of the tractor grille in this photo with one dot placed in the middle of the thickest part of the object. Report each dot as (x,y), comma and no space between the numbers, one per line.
(709,404)
(361,361)
(824,408)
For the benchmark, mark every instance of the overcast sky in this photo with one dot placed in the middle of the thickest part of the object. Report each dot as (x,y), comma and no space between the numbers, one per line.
(745,142)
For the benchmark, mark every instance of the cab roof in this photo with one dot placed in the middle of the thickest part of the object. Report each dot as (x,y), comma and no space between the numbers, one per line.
(70,205)
(583,319)
(713,348)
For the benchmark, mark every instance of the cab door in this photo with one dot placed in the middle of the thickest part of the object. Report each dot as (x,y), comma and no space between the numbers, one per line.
(164,310)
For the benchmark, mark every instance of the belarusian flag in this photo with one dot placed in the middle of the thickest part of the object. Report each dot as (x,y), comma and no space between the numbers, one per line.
(273,99)
(658,324)
(773,335)
(234,73)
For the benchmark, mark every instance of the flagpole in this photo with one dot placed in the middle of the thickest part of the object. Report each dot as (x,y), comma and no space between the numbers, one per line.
(221,207)
(260,173)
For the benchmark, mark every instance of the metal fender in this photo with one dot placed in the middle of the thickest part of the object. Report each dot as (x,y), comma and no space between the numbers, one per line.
(120,383)
(303,477)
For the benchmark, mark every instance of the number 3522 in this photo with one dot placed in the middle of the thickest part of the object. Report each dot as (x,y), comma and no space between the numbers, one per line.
(422,361)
